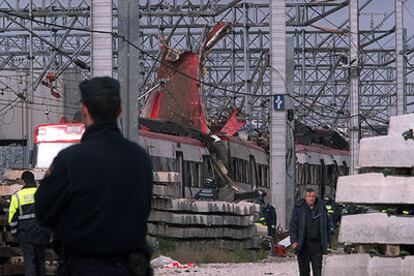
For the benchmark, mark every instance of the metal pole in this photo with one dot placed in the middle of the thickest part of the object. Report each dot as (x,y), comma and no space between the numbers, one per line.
(246,53)
(29,94)
(290,130)
(278,113)
(399,57)
(101,20)
(354,83)
(129,66)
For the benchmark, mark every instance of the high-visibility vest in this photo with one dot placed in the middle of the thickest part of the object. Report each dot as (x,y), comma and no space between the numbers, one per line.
(21,207)
(330,209)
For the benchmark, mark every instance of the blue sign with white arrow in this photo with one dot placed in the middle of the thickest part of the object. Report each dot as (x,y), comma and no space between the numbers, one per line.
(279,102)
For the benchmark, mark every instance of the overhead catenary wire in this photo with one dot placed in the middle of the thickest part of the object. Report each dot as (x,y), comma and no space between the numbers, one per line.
(114,34)
(9,106)
(8,88)
(169,66)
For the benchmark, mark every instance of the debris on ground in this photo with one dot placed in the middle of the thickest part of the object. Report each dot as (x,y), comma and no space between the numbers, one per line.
(167,262)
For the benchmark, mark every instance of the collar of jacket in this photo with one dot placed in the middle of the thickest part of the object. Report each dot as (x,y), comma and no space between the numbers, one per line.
(302,203)
(101,130)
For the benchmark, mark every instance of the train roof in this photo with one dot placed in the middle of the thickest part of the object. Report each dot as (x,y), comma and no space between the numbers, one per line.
(329,138)
(316,148)
(171,138)
(239,141)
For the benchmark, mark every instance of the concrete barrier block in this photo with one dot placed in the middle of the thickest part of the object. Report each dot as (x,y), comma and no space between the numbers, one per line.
(376,228)
(166,177)
(13,175)
(364,265)
(375,188)
(163,230)
(345,265)
(170,190)
(400,124)
(386,151)
(201,219)
(189,205)
(8,190)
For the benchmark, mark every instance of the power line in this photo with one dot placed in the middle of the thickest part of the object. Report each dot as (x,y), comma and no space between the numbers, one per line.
(116,35)
(16,105)
(39,104)
(10,89)
(9,103)
(125,40)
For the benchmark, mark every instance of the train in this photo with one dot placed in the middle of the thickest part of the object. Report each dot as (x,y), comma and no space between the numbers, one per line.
(197,157)
(200,148)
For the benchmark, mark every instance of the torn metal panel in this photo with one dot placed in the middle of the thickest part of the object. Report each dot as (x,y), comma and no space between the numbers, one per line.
(233,125)
(179,97)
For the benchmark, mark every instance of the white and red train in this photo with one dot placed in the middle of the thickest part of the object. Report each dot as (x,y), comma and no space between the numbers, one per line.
(193,158)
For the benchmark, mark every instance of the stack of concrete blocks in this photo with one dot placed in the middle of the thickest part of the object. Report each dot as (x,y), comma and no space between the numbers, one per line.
(378,192)
(216,223)
(206,223)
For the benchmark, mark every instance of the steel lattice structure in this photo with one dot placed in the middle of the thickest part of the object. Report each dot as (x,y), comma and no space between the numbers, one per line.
(321,36)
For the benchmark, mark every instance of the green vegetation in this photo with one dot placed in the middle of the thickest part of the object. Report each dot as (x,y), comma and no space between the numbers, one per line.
(196,253)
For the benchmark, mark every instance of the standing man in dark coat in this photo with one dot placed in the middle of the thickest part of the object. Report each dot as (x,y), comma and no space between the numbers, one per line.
(97,194)
(309,231)
(23,225)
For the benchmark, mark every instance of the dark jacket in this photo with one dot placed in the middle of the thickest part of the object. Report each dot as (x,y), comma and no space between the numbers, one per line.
(97,194)
(297,225)
(267,215)
(22,221)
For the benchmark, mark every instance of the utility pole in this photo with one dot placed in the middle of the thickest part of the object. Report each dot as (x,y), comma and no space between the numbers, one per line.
(29,95)
(354,83)
(129,66)
(101,20)
(399,57)
(246,53)
(278,113)
(290,130)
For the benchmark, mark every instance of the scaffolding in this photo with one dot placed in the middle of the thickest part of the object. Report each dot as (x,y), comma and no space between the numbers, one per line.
(54,35)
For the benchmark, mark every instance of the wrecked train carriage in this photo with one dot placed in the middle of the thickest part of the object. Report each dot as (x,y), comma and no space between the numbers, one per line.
(196,157)
(319,167)
(173,148)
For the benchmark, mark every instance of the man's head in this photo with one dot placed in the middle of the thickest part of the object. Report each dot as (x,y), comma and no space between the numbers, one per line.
(100,100)
(310,197)
(29,179)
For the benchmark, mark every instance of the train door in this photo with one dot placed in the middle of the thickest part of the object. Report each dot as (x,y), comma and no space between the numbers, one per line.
(181,171)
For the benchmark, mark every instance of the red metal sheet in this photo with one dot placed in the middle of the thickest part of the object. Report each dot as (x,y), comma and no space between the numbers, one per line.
(179,99)
(232,125)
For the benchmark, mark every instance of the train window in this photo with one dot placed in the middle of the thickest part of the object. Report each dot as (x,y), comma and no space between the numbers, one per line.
(194,172)
(208,167)
(163,164)
(266,177)
(241,170)
(263,176)
(260,173)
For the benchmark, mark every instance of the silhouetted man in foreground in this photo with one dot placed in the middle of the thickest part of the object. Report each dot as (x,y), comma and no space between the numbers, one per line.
(97,194)
(309,231)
